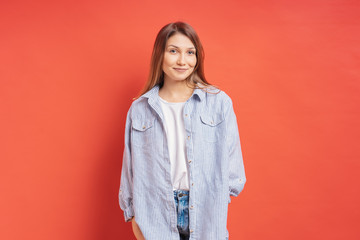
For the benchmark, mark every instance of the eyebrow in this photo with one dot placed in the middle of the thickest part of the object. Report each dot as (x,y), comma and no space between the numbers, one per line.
(178,47)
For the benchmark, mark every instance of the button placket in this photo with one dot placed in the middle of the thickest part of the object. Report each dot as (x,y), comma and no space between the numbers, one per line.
(189,154)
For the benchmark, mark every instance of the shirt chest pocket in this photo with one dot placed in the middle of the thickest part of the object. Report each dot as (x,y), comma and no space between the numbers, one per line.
(142,133)
(212,126)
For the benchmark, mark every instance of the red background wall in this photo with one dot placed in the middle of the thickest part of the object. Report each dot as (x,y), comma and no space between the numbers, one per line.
(68,72)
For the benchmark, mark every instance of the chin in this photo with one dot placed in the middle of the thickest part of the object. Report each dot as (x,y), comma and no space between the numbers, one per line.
(181,79)
(178,77)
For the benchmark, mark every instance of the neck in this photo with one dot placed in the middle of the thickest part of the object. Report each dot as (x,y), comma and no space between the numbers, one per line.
(175,91)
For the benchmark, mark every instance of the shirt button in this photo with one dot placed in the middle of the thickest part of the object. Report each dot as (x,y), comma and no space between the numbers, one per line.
(191,207)
(189,161)
(192,184)
(144,127)
(188,137)
(191,230)
(186,115)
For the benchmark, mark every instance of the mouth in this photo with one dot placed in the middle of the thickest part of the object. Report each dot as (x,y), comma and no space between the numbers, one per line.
(180,69)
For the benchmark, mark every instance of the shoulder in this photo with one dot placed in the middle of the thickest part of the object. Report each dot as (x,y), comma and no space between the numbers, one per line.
(142,100)
(138,107)
(215,95)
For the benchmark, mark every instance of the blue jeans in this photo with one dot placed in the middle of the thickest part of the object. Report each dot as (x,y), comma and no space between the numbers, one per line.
(182,207)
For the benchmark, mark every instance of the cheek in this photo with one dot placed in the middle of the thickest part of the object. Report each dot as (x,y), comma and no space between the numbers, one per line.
(192,62)
(168,60)
(164,63)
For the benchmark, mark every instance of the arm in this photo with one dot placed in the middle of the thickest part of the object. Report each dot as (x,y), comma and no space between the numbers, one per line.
(136,230)
(125,192)
(237,177)
(126,183)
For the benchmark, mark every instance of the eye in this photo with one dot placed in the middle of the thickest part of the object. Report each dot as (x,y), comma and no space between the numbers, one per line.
(191,52)
(172,51)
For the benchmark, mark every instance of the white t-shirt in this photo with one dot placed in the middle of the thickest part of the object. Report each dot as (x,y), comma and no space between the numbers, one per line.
(175,132)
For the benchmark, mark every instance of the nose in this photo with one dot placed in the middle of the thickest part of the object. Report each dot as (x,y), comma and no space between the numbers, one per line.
(181,59)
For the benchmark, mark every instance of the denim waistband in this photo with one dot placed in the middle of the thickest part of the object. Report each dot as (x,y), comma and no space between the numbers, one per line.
(181,193)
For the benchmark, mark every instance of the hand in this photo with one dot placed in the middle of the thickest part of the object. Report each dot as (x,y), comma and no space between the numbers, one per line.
(136,230)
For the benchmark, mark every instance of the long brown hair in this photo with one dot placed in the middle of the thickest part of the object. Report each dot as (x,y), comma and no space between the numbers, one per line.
(156,75)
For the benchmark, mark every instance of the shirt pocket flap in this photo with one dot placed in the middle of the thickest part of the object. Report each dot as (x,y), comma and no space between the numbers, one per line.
(142,124)
(212,120)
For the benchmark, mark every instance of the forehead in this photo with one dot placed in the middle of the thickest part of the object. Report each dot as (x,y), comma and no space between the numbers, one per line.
(180,40)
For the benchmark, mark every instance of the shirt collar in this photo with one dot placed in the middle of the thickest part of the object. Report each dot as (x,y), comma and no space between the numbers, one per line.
(154,92)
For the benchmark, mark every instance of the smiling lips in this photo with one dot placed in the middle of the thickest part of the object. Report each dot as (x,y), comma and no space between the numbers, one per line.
(181,69)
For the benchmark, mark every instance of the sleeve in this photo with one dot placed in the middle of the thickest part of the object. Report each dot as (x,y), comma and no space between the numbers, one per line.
(126,181)
(237,177)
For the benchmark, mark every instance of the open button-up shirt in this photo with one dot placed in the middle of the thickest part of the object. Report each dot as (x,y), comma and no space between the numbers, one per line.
(216,169)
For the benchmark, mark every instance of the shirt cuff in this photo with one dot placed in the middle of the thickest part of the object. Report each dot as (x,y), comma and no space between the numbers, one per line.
(128,214)
(236,187)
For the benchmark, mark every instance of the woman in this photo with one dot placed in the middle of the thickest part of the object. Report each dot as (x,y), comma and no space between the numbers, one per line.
(182,159)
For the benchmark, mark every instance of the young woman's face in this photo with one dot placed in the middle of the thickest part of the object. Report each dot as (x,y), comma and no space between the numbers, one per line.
(179,58)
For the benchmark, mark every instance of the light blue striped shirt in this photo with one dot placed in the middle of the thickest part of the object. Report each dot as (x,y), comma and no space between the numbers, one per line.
(214,158)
